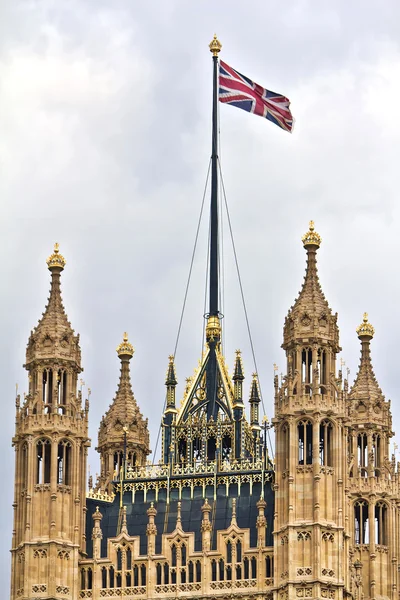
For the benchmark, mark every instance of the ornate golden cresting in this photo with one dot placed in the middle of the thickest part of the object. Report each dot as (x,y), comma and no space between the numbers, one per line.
(311,238)
(125,348)
(365,329)
(215,46)
(56,260)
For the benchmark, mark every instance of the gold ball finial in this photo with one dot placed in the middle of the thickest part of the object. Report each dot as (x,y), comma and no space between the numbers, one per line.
(215,46)
(311,238)
(365,330)
(125,348)
(56,260)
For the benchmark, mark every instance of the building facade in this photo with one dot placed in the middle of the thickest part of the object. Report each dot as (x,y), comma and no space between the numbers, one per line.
(217,517)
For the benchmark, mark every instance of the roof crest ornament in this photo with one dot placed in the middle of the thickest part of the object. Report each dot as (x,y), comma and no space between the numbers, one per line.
(215,46)
(125,348)
(311,238)
(365,329)
(56,260)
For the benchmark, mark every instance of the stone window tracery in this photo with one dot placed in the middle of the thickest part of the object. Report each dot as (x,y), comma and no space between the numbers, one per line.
(381,523)
(305,441)
(43,461)
(64,463)
(325,443)
(361,522)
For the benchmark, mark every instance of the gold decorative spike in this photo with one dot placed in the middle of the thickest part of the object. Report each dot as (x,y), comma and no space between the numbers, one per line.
(56,260)
(365,329)
(125,348)
(215,46)
(311,238)
(171,358)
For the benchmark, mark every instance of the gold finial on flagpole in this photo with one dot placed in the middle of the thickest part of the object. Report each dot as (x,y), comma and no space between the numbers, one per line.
(215,46)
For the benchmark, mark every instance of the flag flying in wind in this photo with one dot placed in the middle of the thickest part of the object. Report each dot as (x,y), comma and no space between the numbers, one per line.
(240,91)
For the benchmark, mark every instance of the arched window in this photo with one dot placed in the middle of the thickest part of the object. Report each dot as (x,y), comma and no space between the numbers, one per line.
(129,559)
(361,522)
(229,573)
(269,566)
(89,579)
(183,555)
(183,575)
(136,575)
(226,447)
(190,571)
(228,551)
(211,448)
(213,570)
(198,570)
(103,577)
(43,462)
(64,463)
(306,369)
(238,572)
(143,574)
(376,444)
(158,573)
(128,580)
(238,551)
(119,560)
(61,391)
(24,466)
(111,577)
(246,568)
(321,363)
(166,573)
(47,389)
(305,435)
(118,460)
(381,523)
(253,567)
(182,449)
(196,445)
(221,570)
(325,443)
(118,580)
(173,555)
(362,453)
(83,579)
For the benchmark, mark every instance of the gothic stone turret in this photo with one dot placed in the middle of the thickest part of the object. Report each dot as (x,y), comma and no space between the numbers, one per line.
(123,431)
(310,441)
(50,442)
(371,480)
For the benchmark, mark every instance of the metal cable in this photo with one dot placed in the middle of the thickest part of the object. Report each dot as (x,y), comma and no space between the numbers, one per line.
(186,291)
(242,292)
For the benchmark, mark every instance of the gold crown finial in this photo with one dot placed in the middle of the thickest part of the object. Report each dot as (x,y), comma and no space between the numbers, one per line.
(215,46)
(311,238)
(365,329)
(125,348)
(171,358)
(56,260)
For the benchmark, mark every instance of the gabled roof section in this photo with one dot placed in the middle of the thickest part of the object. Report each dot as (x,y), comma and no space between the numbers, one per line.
(195,399)
(365,386)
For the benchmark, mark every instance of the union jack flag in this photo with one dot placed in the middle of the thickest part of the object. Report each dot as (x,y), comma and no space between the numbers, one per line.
(240,91)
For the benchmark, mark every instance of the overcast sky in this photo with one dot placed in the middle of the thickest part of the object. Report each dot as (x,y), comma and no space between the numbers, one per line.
(105,118)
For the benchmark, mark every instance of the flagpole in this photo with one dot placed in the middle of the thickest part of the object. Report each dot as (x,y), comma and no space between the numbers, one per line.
(215,47)
(213,330)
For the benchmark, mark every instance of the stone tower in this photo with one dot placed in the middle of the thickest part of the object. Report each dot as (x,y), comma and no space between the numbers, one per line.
(373,492)
(50,442)
(310,412)
(123,431)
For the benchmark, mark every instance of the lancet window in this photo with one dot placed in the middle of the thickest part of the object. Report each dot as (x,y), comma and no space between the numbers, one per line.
(362,453)
(325,443)
(43,461)
(269,566)
(47,389)
(24,465)
(322,368)
(86,579)
(306,369)
(64,463)
(61,391)
(305,440)
(376,445)
(361,522)
(381,523)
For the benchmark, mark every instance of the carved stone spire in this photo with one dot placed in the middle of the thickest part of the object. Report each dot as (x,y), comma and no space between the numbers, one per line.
(53,336)
(365,386)
(123,426)
(311,316)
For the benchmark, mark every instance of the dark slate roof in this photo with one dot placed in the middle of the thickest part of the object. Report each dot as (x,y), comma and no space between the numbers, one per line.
(246,514)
